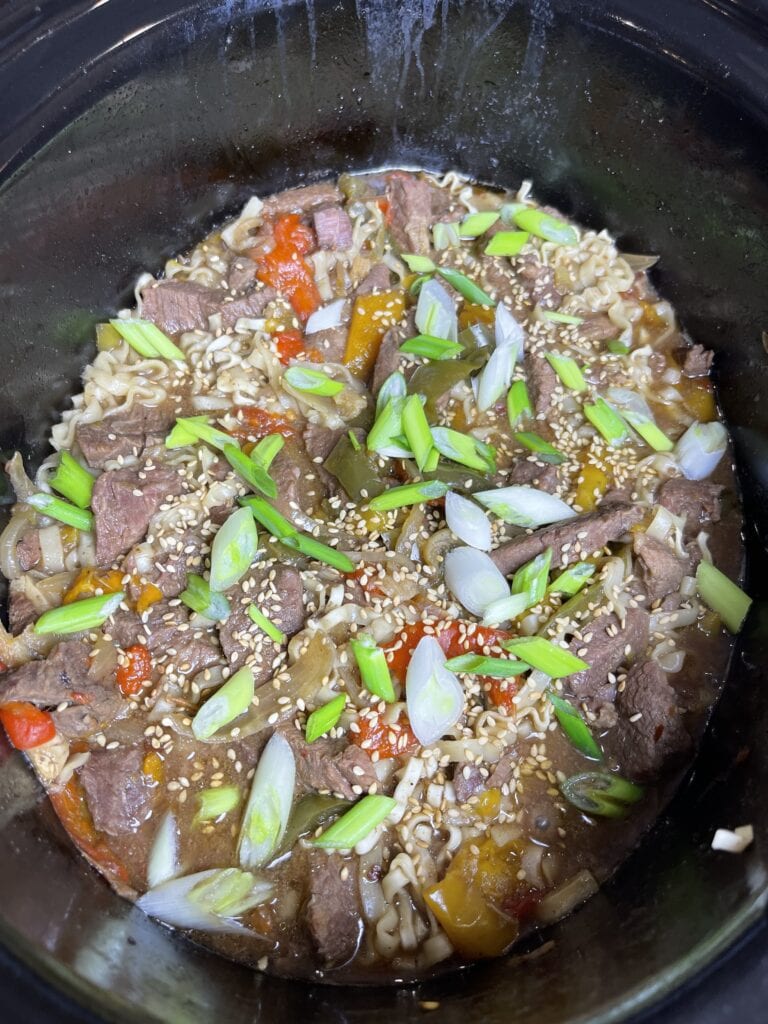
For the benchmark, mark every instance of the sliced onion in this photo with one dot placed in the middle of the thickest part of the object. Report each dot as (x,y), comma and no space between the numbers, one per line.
(473,579)
(436,312)
(269,804)
(525,506)
(163,861)
(434,695)
(509,333)
(700,449)
(569,895)
(496,376)
(467,521)
(665,524)
(326,317)
(205,900)
(252,209)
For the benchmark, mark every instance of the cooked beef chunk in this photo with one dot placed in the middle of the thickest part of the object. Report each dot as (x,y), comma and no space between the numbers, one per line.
(332,227)
(178,306)
(388,359)
(127,432)
(300,487)
(124,501)
(300,200)
(66,675)
(697,361)
(542,383)
(242,274)
(119,795)
(320,441)
(330,766)
(697,500)
(605,647)
(166,631)
(333,910)
(414,206)
(651,729)
(377,279)
(277,591)
(250,305)
(331,343)
(659,569)
(585,535)
(21,611)
(170,566)
(468,781)
(598,328)
(531,474)
(540,282)
(28,552)
(502,770)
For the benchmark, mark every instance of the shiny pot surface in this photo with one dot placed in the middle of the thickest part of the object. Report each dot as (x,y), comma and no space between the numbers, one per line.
(128,129)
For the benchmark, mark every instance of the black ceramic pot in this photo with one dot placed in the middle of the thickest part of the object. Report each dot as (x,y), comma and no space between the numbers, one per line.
(129,127)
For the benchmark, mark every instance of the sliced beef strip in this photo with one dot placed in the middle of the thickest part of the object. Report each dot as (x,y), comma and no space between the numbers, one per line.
(179,306)
(250,305)
(28,552)
(21,611)
(585,534)
(302,199)
(660,571)
(170,566)
(65,676)
(468,781)
(242,274)
(598,328)
(605,646)
(377,279)
(330,766)
(320,440)
(531,474)
(332,227)
(697,361)
(166,632)
(129,432)
(300,487)
(119,795)
(415,204)
(697,500)
(502,770)
(388,358)
(540,283)
(331,343)
(278,592)
(644,744)
(333,910)
(542,383)
(124,501)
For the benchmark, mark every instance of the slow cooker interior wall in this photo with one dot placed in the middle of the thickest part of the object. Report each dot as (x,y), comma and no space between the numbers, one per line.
(177,127)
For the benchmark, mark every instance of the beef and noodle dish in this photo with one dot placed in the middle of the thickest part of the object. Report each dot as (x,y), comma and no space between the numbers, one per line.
(381,581)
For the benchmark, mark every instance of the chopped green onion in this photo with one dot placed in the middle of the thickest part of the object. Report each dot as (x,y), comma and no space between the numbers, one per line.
(618,348)
(55,508)
(418,264)
(504,608)
(518,403)
(79,615)
(250,470)
(353,441)
(215,803)
(723,596)
(387,426)
(356,824)
(574,727)
(265,451)
(191,429)
(323,719)
(509,210)
(545,226)
(531,579)
(545,451)
(416,285)
(266,625)
(436,312)
(73,481)
(312,382)
(229,702)
(547,657)
(573,579)
(607,422)
(653,436)
(147,339)
(506,243)
(416,429)
(568,371)
(429,347)
(445,236)
(374,671)
(268,809)
(479,665)
(465,449)
(200,598)
(635,410)
(409,494)
(312,548)
(524,506)
(233,550)
(601,793)
(476,224)
(561,318)
(268,516)
(393,387)
(468,289)
(432,461)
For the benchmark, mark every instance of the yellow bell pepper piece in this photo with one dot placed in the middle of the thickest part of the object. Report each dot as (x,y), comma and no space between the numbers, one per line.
(149,595)
(372,316)
(592,484)
(88,581)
